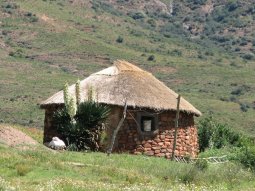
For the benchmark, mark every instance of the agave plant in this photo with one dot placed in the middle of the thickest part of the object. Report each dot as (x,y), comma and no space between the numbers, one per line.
(86,128)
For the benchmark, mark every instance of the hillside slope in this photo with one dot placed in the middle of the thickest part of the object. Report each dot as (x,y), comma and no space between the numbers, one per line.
(46,43)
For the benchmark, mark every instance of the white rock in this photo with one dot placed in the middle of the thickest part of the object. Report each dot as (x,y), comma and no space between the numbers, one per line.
(57,143)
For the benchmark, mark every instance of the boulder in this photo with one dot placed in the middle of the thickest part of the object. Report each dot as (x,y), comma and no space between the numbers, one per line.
(57,144)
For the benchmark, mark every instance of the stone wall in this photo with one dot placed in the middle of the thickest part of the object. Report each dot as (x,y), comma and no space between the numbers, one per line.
(130,139)
(159,143)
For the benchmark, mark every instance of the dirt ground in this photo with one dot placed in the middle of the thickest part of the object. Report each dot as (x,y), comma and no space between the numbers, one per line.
(13,137)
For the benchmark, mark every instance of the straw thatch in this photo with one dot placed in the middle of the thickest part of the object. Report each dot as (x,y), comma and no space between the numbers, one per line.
(125,81)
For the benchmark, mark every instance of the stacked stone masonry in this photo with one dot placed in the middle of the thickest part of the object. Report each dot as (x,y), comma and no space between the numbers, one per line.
(160,144)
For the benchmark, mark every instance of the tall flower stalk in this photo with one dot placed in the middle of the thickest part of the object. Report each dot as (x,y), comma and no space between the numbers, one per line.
(78,92)
(70,102)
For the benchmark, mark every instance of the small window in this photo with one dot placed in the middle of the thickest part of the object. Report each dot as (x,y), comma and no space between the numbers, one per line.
(148,122)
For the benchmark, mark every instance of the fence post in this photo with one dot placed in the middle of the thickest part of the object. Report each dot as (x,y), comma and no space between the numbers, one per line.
(176,124)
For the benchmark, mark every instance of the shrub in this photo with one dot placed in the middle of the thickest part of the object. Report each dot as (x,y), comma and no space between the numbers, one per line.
(17,54)
(176,52)
(201,164)
(81,124)
(152,22)
(231,6)
(237,91)
(119,39)
(189,176)
(215,135)
(137,15)
(248,56)
(247,157)
(244,107)
(151,58)
(241,90)
(84,130)
(31,17)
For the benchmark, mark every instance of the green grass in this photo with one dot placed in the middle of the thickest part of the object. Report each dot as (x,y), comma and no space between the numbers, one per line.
(47,170)
(71,41)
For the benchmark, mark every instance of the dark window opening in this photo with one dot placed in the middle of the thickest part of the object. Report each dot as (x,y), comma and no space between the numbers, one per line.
(147,123)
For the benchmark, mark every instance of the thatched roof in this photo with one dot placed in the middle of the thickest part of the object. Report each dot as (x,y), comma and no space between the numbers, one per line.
(125,81)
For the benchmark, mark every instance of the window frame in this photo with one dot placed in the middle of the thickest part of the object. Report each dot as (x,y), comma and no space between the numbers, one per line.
(155,123)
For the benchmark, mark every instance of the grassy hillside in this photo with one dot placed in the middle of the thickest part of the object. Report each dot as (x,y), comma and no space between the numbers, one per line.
(39,168)
(46,43)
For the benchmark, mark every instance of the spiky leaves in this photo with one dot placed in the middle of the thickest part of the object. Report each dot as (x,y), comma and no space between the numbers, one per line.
(90,114)
(81,123)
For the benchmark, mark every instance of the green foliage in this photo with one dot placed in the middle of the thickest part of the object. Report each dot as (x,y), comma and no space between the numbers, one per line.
(176,52)
(9,7)
(244,107)
(231,6)
(223,141)
(204,133)
(17,54)
(97,171)
(23,169)
(241,90)
(201,164)
(31,17)
(120,39)
(136,15)
(152,22)
(91,114)
(215,135)
(83,131)
(151,58)
(189,176)
(248,56)
(247,157)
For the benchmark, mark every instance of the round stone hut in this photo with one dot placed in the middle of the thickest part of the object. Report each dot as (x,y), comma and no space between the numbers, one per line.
(151,109)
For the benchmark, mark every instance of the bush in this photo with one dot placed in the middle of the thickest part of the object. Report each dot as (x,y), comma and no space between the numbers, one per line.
(189,176)
(176,52)
(244,107)
(215,135)
(17,54)
(151,58)
(119,39)
(231,6)
(247,157)
(137,15)
(82,132)
(248,56)
(201,164)
(241,90)
(204,133)
(152,22)
(31,17)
